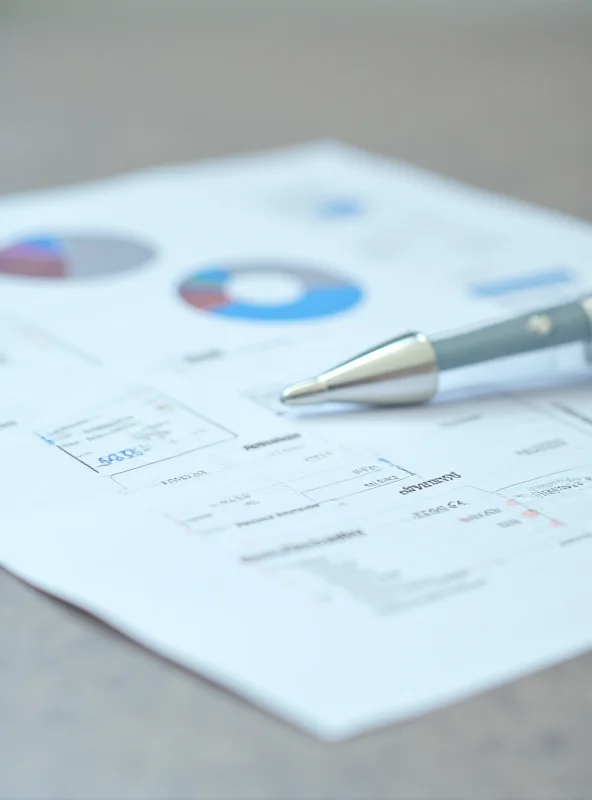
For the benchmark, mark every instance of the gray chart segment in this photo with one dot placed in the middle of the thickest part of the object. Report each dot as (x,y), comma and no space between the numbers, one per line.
(96,256)
(311,277)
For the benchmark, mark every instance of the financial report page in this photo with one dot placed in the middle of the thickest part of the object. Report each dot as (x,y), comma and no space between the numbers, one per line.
(342,567)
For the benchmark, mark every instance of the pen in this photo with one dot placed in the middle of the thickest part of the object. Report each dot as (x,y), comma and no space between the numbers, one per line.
(405,370)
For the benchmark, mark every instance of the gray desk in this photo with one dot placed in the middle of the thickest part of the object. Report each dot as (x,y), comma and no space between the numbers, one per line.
(84,713)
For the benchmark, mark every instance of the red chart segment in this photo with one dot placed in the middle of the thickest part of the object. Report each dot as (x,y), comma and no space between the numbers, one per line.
(206,291)
(33,260)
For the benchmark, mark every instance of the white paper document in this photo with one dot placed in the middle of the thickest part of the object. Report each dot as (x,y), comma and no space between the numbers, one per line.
(343,568)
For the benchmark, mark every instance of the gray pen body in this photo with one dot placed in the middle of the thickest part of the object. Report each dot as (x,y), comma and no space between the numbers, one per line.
(549,327)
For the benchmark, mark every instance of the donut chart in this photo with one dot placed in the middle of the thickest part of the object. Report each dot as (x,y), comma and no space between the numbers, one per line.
(323,293)
(72,256)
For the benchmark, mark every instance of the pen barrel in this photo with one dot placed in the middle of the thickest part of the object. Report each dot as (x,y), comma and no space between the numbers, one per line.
(551,327)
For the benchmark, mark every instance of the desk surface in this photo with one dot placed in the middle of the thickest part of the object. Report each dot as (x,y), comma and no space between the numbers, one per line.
(84,713)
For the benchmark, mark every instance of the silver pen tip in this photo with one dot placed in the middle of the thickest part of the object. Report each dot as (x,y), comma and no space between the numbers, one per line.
(304,393)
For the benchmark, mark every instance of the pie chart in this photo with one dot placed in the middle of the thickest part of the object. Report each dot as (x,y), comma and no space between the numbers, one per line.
(321,293)
(72,256)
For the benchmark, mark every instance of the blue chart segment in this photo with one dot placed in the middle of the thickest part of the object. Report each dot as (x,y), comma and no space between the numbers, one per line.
(542,279)
(323,293)
(335,208)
